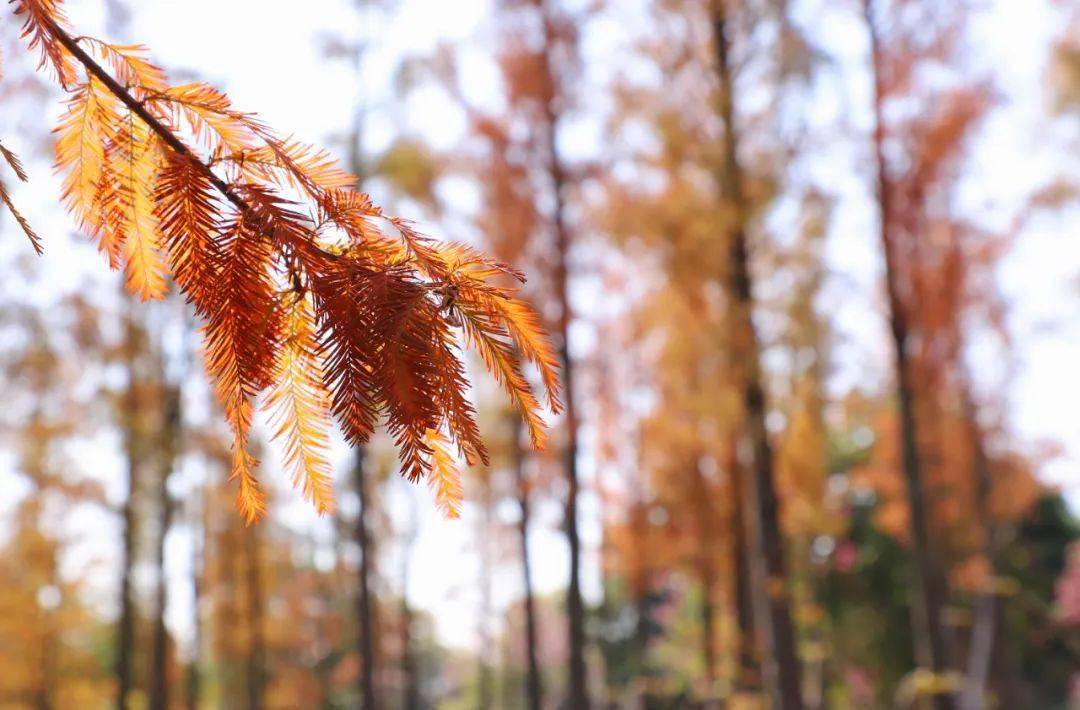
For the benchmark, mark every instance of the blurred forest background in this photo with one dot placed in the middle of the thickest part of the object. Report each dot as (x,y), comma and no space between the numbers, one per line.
(879,477)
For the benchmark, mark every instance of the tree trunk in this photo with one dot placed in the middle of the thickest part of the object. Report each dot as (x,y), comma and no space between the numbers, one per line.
(170,436)
(485,690)
(256,658)
(707,573)
(193,681)
(409,671)
(117,20)
(781,661)
(705,514)
(575,607)
(534,689)
(364,601)
(364,615)
(126,626)
(984,633)
(125,636)
(159,658)
(929,584)
(748,678)
(641,588)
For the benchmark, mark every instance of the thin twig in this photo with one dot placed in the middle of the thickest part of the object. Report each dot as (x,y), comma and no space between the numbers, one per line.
(139,110)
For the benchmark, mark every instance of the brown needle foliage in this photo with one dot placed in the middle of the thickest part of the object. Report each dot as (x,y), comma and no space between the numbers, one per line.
(307,290)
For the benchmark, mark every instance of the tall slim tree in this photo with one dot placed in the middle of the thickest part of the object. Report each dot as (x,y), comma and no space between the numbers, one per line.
(254,606)
(197,522)
(534,688)
(527,183)
(901,194)
(160,651)
(929,584)
(169,443)
(364,603)
(134,449)
(485,531)
(782,671)
(511,225)
(410,672)
(748,677)
(557,37)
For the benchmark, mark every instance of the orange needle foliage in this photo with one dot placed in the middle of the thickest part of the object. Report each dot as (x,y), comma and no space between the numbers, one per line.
(307,290)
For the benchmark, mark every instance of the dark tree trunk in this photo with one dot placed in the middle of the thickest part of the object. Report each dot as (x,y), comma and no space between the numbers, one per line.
(747,676)
(704,512)
(256,659)
(193,680)
(409,671)
(411,696)
(125,635)
(708,626)
(159,657)
(365,621)
(126,626)
(929,582)
(707,573)
(534,691)
(170,436)
(988,611)
(486,689)
(364,616)
(642,587)
(575,606)
(781,661)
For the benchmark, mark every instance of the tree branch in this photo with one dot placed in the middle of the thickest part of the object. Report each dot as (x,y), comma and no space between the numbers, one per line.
(139,110)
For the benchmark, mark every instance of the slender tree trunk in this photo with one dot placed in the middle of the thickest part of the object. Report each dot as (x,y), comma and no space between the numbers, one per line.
(193,681)
(125,635)
(169,448)
(117,21)
(929,583)
(708,628)
(159,658)
(534,690)
(364,600)
(574,602)
(781,661)
(575,606)
(706,539)
(227,622)
(707,573)
(256,658)
(126,625)
(409,671)
(486,690)
(411,699)
(641,588)
(984,635)
(747,678)
(364,615)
